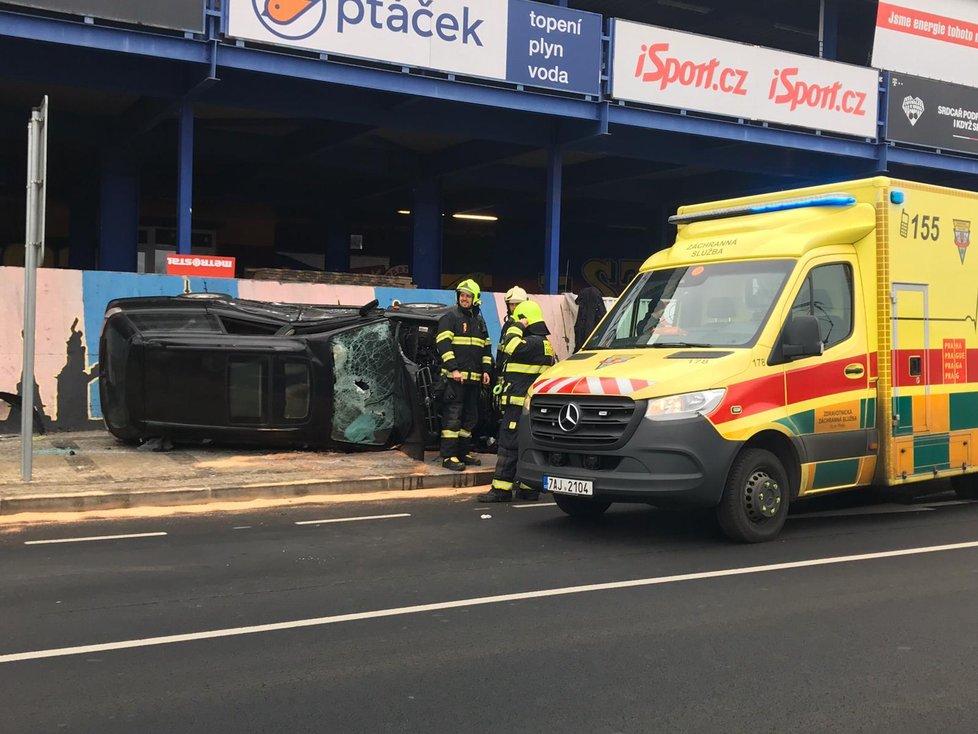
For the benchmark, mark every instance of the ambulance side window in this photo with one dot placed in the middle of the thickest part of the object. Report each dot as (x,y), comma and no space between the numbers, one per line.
(826,294)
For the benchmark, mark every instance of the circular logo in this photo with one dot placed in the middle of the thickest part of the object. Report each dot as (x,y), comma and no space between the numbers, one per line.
(569,418)
(196,262)
(292,20)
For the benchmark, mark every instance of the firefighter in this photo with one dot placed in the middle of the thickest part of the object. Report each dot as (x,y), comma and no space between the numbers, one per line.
(514,297)
(465,349)
(528,354)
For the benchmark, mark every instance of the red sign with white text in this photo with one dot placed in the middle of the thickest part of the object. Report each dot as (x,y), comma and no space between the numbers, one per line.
(663,67)
(937,39)
(200,266)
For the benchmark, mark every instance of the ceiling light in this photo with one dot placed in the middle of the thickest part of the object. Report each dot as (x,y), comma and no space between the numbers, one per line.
(690,7)
(403,211)
(477,217)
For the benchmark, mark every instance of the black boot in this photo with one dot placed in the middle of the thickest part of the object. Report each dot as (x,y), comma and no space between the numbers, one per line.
(529,495)
(470,460)
(450,462)
(496,495)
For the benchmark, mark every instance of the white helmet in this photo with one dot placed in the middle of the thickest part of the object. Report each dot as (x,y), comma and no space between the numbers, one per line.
(516,295)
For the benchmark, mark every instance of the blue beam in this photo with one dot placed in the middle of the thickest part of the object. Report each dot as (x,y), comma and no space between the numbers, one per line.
(935,161)
(267,62)
(77,33)
(551,258)
(427,245)
(732,130)
(185,178)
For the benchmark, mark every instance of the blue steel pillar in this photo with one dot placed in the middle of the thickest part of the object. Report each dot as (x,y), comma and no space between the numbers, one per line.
(427,231)
(829,29)
(185,178)
(119,212)
(551,258)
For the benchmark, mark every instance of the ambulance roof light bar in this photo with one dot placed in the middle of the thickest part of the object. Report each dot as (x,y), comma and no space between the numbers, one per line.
(765,208)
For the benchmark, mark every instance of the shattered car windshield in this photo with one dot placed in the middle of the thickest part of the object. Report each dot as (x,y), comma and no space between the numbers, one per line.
(709,305)
(368,400)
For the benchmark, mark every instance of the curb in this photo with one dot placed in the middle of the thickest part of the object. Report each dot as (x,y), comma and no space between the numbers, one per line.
(128,498)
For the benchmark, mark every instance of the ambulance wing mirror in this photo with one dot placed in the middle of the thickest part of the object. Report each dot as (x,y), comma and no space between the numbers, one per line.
(802,338)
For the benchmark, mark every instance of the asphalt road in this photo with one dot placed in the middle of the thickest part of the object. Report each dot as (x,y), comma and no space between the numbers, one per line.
(252,622)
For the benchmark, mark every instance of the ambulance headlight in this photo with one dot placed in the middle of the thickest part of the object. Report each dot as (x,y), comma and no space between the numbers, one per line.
(688,405)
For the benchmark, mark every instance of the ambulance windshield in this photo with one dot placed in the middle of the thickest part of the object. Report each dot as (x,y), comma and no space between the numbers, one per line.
(710,305)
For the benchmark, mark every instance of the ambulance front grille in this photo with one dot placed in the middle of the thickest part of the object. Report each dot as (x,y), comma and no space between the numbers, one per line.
(582,421)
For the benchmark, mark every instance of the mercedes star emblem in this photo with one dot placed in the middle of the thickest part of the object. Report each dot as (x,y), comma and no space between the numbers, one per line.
(569,418)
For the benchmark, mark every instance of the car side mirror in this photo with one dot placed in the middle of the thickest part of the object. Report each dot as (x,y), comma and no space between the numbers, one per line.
(802,338)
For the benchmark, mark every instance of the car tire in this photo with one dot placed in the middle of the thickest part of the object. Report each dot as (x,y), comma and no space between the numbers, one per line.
(580,506)
(754,505)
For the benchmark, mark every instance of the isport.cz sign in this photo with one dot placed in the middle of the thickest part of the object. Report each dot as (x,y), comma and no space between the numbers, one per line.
(657,66)
(514,40)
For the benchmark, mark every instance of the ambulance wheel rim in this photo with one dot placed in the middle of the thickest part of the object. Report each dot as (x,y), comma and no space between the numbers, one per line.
(762,496)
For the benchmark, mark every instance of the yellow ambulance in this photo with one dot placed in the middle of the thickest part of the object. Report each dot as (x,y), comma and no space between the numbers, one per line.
(786,345)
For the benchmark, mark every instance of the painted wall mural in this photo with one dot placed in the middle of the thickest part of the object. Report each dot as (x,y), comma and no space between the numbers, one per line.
(71,304)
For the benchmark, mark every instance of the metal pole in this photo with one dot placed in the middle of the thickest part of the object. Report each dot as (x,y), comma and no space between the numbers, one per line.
(33,250)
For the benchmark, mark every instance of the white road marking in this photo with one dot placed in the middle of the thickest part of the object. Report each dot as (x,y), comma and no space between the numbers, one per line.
(477,601)
(536,504)
(93,537)
(242,527)
(353,519)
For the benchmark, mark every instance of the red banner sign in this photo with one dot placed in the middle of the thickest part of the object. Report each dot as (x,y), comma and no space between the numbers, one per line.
(200,266)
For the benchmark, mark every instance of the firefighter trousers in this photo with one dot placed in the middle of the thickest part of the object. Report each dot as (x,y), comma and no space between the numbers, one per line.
(507,455)
(459,416)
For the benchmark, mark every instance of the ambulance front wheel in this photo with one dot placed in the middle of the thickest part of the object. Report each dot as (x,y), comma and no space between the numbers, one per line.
(580,506)
(965,486)
(754,505)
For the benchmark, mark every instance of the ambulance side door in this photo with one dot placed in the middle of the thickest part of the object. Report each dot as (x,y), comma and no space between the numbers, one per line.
(830,398)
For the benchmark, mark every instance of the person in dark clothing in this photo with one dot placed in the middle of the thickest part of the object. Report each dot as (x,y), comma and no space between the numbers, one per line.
(529,354)
(590,310)
(465,349)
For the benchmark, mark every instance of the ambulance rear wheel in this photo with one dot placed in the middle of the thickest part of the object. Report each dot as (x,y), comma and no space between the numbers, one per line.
(965,486)
(754,505)
(580,506)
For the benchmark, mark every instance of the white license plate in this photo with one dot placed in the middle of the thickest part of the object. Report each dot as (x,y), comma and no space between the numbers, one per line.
(568,486)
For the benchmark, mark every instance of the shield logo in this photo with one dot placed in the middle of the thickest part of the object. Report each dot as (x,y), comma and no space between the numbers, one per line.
(962,237)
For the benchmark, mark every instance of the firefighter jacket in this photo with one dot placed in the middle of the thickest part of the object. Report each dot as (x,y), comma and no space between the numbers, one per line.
(511,327)
(463,344)
(528,354)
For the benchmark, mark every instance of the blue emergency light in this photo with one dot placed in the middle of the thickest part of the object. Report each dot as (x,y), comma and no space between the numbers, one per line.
(765,208)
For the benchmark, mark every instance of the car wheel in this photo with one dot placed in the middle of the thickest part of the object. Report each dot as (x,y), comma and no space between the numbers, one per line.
(580,506)
(754,505)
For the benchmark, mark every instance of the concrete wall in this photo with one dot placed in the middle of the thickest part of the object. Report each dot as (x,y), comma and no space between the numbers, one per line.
(71,303)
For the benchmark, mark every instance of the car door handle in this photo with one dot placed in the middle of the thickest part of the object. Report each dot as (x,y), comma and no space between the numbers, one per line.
(855,371)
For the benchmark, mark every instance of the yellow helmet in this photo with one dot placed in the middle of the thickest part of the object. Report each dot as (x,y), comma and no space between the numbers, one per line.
(516,295)
(530,311)
(471,287)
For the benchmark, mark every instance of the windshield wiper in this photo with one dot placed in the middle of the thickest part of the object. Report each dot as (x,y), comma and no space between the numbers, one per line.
(679,345)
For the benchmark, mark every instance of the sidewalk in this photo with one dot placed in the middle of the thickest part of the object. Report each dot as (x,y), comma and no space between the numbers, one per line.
(90,470)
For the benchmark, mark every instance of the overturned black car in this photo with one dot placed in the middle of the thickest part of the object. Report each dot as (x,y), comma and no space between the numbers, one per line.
(208,367)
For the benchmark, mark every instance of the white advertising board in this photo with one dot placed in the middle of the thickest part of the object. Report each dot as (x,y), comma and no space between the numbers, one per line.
(453,35)
(658,66)
(937,39)
(529,43)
